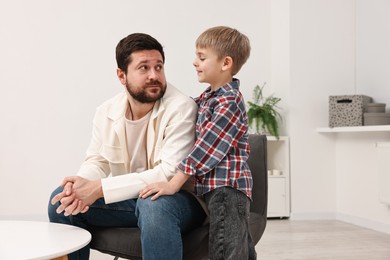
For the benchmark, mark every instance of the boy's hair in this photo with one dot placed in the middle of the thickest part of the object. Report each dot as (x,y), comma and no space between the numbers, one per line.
(132,43)
(226,41)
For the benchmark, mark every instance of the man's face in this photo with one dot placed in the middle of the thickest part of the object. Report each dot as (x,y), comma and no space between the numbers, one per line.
(145,78)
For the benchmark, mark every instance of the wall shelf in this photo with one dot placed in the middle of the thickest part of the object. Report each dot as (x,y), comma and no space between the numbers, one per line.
(350,129)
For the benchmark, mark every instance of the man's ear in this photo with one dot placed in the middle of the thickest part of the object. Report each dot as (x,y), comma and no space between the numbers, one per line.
(121,76)
(227,63)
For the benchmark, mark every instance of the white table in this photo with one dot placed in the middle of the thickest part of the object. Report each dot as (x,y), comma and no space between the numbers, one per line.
(39,240)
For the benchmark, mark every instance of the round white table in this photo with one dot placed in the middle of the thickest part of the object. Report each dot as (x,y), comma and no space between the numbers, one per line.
(39,240)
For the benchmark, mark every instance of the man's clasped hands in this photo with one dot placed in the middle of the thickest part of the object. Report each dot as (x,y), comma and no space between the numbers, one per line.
(77,195)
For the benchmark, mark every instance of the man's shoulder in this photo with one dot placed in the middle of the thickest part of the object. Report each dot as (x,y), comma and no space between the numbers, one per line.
(174,97)
(113,107)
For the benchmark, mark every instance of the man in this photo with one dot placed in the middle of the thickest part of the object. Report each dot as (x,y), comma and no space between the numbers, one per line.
(138,138)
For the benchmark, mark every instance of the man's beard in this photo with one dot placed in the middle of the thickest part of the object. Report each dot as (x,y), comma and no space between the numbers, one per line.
(142,95)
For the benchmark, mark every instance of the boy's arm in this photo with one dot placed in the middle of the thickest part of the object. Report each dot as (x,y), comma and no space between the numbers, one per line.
(227,126)
(164,188)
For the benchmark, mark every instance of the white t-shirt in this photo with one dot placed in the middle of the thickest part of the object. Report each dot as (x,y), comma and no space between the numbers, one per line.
(136,131)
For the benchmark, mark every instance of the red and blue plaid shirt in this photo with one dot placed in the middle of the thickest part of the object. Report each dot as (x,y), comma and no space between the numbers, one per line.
(219,156)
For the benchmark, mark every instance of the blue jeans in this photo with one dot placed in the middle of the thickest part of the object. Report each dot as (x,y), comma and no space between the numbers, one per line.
(161,222)
(229,236)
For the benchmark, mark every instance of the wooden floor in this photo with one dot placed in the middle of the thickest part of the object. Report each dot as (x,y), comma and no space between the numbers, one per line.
(321,240)
(315,240)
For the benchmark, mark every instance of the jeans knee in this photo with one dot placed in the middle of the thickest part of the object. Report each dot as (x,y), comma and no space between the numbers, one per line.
(154,213)
(148,207)
(52,209)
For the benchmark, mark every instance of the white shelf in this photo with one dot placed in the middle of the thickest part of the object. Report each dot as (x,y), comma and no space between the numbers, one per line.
(273,138)
(278,158)
(350,129)
(276,176)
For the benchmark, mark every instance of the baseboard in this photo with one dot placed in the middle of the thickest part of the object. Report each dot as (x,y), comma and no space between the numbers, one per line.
(312,216)
(358,221)
(362,222)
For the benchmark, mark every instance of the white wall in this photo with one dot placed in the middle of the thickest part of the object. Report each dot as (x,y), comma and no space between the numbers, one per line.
(357,156)
(58,63)
(322,64)
(373,53)
(337,47)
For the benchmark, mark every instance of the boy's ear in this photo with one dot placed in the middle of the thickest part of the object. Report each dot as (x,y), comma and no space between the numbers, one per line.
(227,63)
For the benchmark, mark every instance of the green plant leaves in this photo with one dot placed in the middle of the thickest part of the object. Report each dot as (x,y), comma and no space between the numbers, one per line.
(263,112)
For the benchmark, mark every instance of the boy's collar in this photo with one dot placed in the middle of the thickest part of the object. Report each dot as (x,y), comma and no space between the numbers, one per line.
(234,84)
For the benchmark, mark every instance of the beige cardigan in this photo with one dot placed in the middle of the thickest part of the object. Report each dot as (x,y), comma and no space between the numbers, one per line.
(170,136)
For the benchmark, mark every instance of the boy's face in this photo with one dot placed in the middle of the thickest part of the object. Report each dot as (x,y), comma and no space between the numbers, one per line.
(209,67)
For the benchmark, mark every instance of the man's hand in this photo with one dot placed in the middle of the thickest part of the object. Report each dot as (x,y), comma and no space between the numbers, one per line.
(74,198)
(69,203)
(67,191)
(85,190)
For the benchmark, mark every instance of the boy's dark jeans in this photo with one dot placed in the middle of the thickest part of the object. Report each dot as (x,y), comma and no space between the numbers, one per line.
(229,236)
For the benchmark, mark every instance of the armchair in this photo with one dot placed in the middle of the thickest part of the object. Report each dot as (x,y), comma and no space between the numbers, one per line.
(126,243)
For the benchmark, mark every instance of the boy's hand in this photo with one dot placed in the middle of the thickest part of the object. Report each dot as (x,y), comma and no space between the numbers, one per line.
(159,189)
(164,188)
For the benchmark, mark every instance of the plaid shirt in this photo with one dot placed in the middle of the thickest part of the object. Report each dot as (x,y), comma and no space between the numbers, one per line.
(219,156)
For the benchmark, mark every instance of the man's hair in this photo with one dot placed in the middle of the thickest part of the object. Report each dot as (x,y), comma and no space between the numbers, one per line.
(226,41)
(132,43)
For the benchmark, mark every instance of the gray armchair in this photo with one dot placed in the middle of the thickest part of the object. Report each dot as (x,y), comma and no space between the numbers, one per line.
(126,243)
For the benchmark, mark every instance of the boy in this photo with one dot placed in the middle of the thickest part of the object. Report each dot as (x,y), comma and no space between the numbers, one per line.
(218,160)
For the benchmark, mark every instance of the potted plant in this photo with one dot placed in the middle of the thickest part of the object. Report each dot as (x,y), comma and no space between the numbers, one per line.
(263,112)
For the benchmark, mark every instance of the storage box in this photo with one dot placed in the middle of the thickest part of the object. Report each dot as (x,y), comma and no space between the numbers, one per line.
(347,110)
(376,119)
(375,108)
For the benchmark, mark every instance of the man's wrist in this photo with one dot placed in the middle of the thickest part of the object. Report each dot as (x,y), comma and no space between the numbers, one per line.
(99,190)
